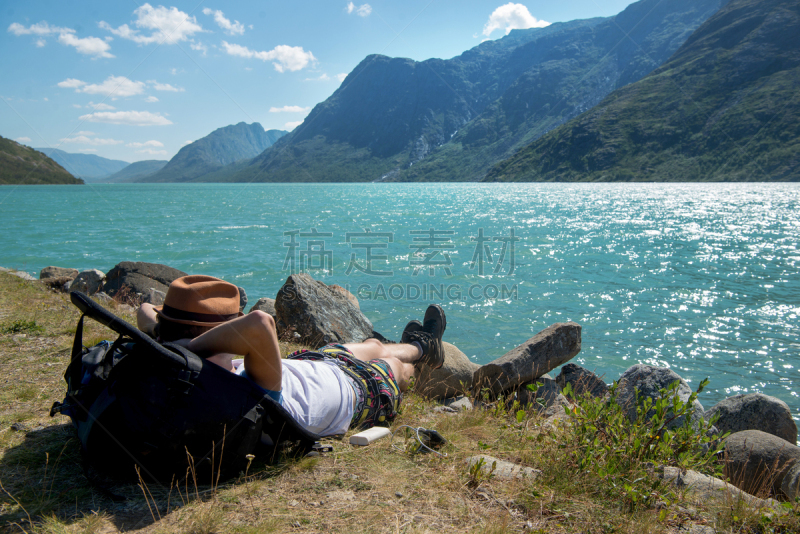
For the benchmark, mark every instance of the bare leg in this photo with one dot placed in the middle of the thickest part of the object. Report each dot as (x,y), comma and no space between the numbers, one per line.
(372,349)
(400,358)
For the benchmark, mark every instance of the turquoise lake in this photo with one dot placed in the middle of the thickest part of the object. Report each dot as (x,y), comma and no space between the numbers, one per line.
(701,278)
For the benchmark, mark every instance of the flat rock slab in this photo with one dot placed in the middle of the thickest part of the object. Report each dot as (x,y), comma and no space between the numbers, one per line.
(318,314)
(503,469)
(649,380)
(23,275)
(543,352)
(757,462)
(138,278)
(706,488)
(452,379)
(755,411)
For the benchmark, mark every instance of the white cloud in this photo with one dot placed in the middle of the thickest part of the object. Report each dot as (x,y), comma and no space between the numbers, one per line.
(152,142)
(292,125)
(77,106)
(289,109)
(168,25)
(46,99)
(71,83)
(40,28)
(187,143)
(91,46)
(84,132)
(151,99)
(234,28)
(132,118)
(200,47)
(23,139)
(113,86)
(100,106)
(322,78)
(165,87)
(362,11)
(284,57)
(84,140)
(341,76)
(87,150)
(512,17)
(152,152)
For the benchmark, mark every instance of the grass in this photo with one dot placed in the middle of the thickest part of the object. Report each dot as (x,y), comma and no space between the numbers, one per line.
(372,489)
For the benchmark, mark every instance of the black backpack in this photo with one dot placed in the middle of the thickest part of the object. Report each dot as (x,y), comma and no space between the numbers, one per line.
(136,402)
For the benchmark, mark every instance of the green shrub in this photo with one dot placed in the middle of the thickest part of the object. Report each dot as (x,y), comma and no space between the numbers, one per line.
(623,454)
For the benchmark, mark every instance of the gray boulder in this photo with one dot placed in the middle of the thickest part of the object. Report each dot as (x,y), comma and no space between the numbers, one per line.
(154,297)
(543,352)
(755,411)
(547,399)
(242,298)
(790,486)
(649,380)
(57,272)
(267,305)
(89,282)
(452,379)
(582,380)
(349,296)
(318,314)
(132,280)
(758,462)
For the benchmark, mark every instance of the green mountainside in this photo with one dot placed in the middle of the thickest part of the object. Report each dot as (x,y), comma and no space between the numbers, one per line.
(137,171)
(726,106)
(397,119)
(90,167)
(20,164)
(224,146)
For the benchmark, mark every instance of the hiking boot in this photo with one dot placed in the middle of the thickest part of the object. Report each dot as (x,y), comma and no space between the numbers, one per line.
(434,321)
(412,326)
(429,336)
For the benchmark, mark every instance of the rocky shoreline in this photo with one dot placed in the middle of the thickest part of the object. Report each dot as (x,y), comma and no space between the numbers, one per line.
(761,455)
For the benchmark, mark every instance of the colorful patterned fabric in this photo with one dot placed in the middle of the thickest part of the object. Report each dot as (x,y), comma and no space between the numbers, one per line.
(377,395)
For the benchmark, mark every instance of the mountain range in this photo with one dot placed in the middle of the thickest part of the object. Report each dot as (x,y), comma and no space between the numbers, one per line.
(90,167)
(724,107)
(20,164)
(138,170)
(222,147)
(397,119)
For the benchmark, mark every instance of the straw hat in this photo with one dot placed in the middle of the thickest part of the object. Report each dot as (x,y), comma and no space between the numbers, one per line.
(200,301)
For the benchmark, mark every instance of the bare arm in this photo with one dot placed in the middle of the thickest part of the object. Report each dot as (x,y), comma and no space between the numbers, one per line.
(146,319)
(253,336)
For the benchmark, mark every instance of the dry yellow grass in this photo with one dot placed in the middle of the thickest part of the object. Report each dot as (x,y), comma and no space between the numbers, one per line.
(373,489)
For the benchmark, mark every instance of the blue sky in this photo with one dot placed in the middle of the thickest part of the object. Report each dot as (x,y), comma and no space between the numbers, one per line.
(136,81)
